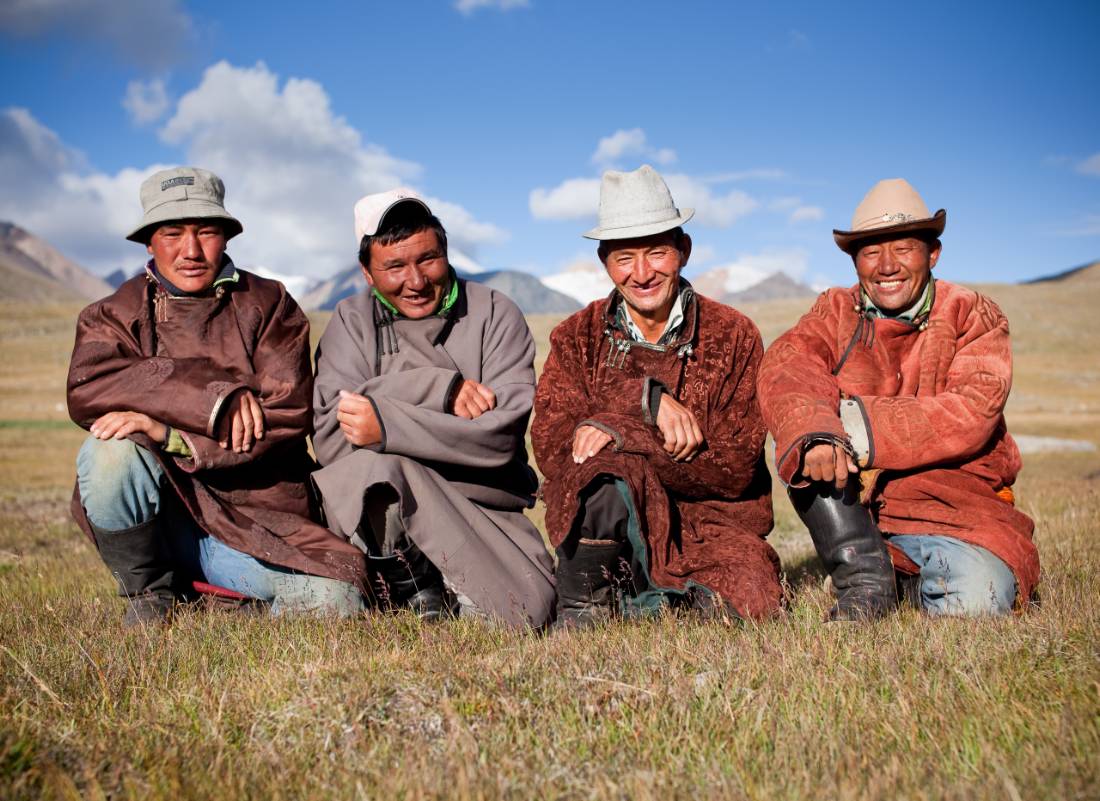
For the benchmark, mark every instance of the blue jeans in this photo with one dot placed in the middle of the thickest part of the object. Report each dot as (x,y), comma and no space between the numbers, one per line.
(121,487)
(957,578)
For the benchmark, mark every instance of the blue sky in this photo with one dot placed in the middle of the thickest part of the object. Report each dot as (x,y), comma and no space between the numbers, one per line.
(773,119)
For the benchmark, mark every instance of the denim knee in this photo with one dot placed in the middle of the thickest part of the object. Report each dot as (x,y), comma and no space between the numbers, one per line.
(958,578)
(119,483)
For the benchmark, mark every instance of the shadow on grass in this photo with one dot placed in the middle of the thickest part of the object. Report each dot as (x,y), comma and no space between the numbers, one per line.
(804,571)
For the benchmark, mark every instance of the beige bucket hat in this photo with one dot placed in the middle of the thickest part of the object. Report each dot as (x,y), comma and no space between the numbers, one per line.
(182,193)
(892,206)
(636,204)
(372,209)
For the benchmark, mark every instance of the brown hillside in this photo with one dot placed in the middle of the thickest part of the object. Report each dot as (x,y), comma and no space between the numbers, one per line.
(32,269)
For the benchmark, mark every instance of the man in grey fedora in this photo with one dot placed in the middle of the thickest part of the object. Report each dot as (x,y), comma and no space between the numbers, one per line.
(194,382)
(648,432)
(886,402)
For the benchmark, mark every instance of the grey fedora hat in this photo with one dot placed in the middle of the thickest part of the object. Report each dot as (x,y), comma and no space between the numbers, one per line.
(892,207)
(636,204)
(182,193)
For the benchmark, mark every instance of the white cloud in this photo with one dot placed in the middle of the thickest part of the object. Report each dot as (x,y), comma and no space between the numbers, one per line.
(147,101)
(573,199)
(149,32)
(468,7)
(717,210)
(632,143)
(292,184)
(807,214)
(1090,166)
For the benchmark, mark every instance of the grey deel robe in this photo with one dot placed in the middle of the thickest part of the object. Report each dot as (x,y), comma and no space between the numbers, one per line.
(463,484)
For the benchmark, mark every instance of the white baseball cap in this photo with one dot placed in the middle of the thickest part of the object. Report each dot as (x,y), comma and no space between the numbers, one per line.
(372,209)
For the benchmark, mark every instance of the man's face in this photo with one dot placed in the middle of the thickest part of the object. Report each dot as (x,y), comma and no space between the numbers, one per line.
(646,271)
(189,253)
(894,273)
(411,274)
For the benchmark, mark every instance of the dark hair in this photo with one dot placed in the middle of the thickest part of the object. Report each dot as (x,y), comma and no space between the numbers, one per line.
(401,222)
(677,242)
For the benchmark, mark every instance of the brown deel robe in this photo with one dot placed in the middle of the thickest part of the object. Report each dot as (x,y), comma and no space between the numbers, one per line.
(933,394)
(178,360)
(703,521)
(463,484)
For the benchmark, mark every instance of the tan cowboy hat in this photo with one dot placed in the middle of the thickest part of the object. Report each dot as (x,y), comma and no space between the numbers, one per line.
(182,193)
(636,204)
(891,207)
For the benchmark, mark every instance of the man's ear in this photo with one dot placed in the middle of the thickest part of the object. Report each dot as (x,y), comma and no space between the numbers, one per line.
(149,248)
(934,256)
(685,250)
(366,274)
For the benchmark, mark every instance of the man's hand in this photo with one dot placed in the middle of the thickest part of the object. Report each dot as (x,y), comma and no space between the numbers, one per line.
(588,441)
(241,423)
(119,425)
(358,420)
(683,437)
(829,463)
(471,400)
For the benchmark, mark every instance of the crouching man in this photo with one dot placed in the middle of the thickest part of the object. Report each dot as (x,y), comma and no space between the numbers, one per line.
(424,389)
(886,403)
(194,380)
(648,432)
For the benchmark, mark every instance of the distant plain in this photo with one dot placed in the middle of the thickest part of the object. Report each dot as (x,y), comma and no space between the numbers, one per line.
(221,706)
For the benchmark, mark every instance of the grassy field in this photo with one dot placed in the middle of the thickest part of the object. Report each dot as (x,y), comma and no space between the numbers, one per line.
(221,706)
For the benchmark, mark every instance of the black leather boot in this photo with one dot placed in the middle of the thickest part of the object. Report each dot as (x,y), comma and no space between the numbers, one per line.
(585,583)
(852,548)
(141,562)
(408,579)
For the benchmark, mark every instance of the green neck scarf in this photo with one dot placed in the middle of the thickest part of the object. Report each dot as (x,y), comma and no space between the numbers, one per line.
(922,306)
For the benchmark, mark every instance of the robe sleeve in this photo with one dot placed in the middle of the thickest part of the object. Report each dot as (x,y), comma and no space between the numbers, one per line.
(282,381)
(110,372)
(799,396)
(343,363)
(561,401)
(492,439)
(733,430)
(960,418)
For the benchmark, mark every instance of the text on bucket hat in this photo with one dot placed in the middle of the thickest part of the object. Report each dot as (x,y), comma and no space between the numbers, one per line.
(636,204)
(892,206)
(372,209)
(182,193)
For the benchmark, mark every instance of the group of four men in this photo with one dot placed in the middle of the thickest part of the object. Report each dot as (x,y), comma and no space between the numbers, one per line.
(885,402)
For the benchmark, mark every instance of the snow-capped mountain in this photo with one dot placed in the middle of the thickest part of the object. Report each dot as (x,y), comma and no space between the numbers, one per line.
(583,280)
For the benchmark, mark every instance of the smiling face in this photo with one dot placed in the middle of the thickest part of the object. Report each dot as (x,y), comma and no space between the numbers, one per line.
(646,271)
(189,253)
(895,272)
(412,274)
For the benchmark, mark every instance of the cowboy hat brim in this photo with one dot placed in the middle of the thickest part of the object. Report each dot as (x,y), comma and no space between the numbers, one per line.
(851,241)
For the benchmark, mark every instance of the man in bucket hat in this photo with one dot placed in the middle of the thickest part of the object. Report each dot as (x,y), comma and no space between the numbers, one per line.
(648,432)
(886,403)
(194,380)
(424,388)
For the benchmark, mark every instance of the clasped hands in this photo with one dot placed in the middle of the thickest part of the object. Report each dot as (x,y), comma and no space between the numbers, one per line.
(682,435)
(240,425)
(359,421)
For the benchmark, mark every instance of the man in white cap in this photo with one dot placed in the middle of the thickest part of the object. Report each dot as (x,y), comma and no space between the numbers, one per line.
(423,392)
(648,432)
(886,403)
(194,380)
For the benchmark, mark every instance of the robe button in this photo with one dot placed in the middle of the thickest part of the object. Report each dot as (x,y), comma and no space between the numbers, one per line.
(899,376)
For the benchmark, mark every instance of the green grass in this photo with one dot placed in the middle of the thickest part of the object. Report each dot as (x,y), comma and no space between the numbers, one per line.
(220,706)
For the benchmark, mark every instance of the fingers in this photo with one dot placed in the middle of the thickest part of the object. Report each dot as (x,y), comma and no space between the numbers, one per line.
(237,426)
(257,416)
(486,394)
(840,467)
(587,442)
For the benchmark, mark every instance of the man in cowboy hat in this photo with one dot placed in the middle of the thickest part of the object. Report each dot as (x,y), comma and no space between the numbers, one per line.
(424,388)
(886,403)
(648,431)
(194,380)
